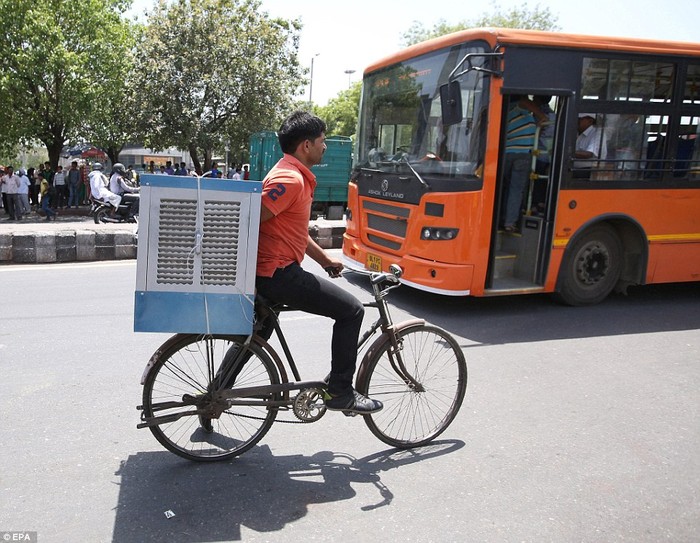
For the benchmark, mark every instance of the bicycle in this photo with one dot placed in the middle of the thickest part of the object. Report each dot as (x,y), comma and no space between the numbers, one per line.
(213,397)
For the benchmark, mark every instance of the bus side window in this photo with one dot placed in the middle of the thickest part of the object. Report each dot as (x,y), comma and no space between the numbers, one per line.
(687,150)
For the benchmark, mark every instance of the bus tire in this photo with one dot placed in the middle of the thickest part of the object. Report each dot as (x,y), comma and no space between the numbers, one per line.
(591,267)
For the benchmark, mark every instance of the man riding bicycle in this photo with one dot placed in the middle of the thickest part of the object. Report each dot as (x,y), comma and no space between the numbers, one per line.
(284,239)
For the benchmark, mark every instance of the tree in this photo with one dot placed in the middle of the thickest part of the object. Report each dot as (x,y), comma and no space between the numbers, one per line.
(56,60)
(213,72)
(523,17)
(115,122)
(340,114)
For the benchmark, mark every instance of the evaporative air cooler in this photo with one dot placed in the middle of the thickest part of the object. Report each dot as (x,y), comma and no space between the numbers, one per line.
(197,248)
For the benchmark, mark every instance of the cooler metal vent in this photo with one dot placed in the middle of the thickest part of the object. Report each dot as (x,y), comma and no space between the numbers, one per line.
(176,241)
(220,243)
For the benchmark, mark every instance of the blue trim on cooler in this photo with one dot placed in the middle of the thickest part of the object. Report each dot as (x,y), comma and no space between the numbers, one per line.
(206,183)
(183,312)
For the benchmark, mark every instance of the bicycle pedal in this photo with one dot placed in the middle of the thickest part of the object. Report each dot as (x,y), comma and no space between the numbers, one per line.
(349,413)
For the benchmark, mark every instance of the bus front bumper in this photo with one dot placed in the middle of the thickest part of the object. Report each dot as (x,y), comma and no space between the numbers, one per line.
(428,275)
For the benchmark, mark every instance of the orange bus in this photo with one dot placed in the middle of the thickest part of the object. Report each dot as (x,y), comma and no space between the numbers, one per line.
(429,190)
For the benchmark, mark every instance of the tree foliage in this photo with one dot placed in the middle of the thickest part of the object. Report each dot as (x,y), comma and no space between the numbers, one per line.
(115,122)
(340,114)
(214,71)
(57,61)
(522,17)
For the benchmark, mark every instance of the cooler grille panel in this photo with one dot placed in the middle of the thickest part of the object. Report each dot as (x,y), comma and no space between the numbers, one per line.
(176,241)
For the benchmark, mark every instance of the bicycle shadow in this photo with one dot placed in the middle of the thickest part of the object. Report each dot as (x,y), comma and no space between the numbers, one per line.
(259,490)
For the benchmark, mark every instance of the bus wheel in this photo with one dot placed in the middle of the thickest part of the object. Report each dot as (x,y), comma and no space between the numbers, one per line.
(591,267)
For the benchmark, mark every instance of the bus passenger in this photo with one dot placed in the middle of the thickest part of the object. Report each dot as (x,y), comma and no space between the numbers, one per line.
(590,144)
(520,139)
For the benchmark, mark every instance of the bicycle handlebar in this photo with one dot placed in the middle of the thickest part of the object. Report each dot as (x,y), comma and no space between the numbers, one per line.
(393,275)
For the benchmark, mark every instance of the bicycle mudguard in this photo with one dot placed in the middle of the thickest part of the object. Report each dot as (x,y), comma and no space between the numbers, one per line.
(379,344)
(165,347)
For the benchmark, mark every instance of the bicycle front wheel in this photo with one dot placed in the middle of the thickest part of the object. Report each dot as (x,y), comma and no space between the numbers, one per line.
(187,366)
(415,411)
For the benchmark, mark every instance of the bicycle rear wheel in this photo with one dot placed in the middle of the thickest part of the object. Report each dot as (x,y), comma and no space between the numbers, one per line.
(413,416)
(188,365)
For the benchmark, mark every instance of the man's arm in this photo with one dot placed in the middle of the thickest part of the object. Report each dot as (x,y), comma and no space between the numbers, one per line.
(332,265)
(584,154)
(265,214)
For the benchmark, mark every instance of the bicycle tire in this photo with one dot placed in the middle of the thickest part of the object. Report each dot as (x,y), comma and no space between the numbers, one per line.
(182,367)
(412,418)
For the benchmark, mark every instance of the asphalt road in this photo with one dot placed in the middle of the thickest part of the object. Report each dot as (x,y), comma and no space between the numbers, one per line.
(580,424)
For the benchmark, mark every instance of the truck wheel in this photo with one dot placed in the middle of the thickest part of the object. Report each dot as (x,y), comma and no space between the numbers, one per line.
(591,267)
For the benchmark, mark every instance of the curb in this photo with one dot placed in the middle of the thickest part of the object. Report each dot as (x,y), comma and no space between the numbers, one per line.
(66,246)
(89,245)
(328,237)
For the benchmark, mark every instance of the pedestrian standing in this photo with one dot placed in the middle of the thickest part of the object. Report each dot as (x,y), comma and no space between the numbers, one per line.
(3,190)
(73,184)
(33,188)
(59,183)
(11,183)
(84,196)
(48,172)
(23,192)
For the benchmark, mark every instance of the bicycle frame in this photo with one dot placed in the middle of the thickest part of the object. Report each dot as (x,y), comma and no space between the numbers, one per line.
(213,397)
(220,398)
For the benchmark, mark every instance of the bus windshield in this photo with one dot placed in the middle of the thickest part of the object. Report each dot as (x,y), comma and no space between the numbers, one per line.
(401,121)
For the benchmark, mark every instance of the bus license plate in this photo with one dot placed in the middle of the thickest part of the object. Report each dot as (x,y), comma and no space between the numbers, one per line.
(374,263)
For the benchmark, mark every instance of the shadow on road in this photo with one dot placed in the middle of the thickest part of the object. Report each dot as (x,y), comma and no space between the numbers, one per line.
(518,319)
(259,490)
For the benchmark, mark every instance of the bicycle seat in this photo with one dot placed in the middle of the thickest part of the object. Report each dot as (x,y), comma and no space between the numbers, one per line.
(265,304)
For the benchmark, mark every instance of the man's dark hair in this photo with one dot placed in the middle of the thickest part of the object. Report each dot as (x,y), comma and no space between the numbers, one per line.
(297,128)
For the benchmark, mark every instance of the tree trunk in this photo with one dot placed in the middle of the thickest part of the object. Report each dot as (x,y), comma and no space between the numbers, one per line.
(195,159)
(54,148)
(113,153)
(207,160)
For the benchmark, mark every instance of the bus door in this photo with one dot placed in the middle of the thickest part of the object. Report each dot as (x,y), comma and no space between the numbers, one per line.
(526,191)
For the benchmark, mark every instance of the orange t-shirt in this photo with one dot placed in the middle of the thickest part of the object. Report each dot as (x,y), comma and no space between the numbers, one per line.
(288,190)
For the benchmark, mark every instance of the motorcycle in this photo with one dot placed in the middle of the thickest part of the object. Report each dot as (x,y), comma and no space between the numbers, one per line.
(102,211)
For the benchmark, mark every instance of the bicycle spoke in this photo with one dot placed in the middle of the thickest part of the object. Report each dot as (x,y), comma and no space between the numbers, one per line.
(413,416)
(190,368)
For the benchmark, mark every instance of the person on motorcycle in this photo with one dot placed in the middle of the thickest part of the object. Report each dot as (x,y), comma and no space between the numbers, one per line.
(99,189)
(118,185)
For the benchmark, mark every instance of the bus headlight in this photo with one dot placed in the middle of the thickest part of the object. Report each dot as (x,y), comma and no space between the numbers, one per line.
(432,233)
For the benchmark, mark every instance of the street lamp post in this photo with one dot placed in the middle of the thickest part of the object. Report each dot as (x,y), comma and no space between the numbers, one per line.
(311,82)
(349,72)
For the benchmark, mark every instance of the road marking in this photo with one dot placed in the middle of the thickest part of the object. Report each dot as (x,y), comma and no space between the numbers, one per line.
(67,265)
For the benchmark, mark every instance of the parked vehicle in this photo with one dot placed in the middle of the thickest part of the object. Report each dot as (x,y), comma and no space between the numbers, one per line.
(332,174)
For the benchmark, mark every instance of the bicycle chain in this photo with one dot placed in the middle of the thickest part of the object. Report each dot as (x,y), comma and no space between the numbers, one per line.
(293,410)
(263,418)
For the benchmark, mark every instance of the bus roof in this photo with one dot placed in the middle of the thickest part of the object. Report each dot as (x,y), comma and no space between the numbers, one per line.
(504,36)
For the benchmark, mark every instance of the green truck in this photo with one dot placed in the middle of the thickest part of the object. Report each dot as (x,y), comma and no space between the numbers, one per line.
(332,174)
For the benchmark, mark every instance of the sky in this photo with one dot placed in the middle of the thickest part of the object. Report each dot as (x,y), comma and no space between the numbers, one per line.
(351,35)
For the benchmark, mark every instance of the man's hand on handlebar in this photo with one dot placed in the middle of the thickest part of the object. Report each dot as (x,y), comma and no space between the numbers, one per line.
(334,270)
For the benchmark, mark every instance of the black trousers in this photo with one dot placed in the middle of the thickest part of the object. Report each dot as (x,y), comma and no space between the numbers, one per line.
(302,290)
(134,202)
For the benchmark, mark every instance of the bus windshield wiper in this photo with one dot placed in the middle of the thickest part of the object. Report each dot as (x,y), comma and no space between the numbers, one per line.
(404,160)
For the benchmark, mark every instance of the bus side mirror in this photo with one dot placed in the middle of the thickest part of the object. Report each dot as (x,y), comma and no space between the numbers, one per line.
(451,103)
